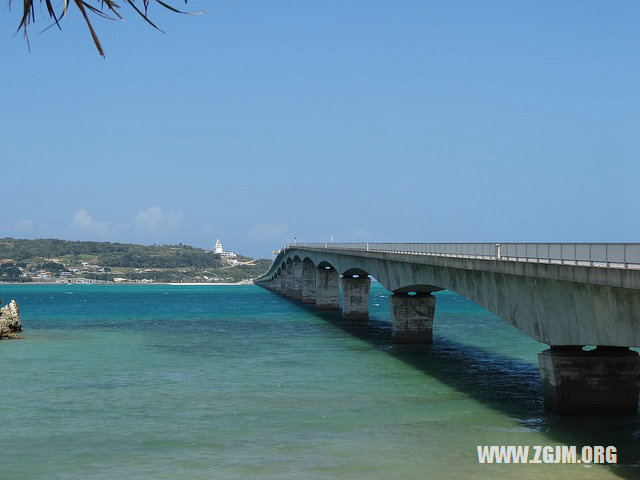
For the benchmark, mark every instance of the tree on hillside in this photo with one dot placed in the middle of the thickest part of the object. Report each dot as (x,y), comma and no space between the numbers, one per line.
(102,8)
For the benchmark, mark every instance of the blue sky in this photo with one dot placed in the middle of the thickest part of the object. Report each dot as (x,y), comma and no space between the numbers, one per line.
(383,121)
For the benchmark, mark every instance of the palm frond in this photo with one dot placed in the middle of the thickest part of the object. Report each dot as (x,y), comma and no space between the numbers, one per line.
(87,7)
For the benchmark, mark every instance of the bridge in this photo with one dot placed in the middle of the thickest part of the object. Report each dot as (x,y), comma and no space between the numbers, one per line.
(566,295)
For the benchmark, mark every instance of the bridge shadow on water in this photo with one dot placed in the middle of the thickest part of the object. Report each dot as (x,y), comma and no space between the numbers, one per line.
(506,385)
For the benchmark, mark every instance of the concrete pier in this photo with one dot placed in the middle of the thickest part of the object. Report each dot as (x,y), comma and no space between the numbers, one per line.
(296,289)
(606,379)
(412,317)
(308,282)
(355,297)
(288,279)
(327,289)
(283,281)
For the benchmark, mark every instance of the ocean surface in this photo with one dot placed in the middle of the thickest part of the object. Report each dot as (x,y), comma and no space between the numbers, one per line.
(236,382)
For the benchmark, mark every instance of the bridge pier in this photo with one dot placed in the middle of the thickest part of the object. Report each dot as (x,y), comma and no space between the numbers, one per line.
(355,297)
(308,282)
(288,280)
(327,289)
(296,278)
(606,379)
(281,287)
(412,317)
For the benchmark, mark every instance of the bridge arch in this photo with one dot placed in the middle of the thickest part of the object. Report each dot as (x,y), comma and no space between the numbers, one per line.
(542,300)
(325,265)
(355,272)
(418,289)
(565,306)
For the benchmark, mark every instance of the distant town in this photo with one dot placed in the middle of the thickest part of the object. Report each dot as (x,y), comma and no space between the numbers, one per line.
(61,261)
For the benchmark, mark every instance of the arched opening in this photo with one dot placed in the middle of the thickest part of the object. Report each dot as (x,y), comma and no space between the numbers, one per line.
(418,289)
(355,273)
(324,265)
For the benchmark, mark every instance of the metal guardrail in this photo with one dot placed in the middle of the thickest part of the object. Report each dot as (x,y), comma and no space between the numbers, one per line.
(611,255)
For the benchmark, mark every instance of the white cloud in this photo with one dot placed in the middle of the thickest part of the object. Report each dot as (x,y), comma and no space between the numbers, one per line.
(153,221)
(21,227)
(84,222)
(268,232)
(149,224)
(24,225)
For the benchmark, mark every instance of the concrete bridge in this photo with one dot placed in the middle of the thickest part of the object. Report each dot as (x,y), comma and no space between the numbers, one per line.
(569,296)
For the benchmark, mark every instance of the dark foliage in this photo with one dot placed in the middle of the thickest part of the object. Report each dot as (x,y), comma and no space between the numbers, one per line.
(109,9)
(109,254)
(11,273)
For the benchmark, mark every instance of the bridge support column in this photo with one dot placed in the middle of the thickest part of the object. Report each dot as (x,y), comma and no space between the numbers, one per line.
(606,379)
(308,282)
(355,297)
(327,289)
(288,280)
(412,317)
(296,280)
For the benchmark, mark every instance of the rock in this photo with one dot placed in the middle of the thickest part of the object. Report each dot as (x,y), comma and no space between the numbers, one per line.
(10,320)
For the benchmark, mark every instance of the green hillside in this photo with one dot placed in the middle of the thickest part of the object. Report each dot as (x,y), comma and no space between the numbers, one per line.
(63,260)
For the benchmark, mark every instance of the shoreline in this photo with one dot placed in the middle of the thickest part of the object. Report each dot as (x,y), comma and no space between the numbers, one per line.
(203,283)
(192,284)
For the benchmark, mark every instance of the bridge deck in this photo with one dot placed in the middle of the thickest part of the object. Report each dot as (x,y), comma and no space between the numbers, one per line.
(604,255)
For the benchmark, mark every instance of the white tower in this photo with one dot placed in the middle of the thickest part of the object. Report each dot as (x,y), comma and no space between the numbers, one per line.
(218,247)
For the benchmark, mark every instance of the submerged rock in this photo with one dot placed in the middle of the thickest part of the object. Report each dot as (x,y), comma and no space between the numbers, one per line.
(10,320)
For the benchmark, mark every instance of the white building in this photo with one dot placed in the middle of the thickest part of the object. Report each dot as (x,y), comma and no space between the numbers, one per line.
(219,251)
(218,247)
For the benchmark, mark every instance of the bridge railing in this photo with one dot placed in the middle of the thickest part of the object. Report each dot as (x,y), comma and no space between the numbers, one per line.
(612,255)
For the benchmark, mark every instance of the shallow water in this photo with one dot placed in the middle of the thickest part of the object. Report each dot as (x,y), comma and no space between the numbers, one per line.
(215,382)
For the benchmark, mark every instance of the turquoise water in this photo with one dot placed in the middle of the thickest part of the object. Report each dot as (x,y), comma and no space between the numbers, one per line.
(215,382)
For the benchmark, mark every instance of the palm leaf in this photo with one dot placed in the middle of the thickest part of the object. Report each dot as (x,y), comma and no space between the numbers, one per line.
(87,7)
(80,5)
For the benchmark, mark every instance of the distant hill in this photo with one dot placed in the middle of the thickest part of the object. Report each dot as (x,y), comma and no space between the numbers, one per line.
(106,261)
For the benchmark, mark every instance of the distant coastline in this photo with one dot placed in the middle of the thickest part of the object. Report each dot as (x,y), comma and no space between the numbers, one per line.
(194,284)
(79,262)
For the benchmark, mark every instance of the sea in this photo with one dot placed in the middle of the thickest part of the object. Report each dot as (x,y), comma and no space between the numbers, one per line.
(237,382)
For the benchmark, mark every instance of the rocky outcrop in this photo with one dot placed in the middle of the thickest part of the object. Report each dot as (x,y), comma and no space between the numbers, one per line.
(10,320)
